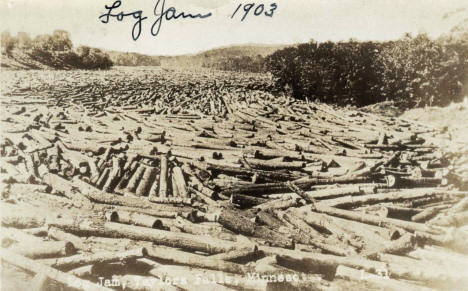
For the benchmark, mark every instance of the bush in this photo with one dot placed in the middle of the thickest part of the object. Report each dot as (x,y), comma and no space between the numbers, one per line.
(411,71)
(8,42)
(93,59)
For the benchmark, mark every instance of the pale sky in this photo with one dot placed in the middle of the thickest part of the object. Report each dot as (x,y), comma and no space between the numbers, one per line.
(293,21)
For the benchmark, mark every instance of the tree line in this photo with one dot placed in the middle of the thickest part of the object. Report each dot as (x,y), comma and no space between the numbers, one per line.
(133,59)
(55,50)
(412,71)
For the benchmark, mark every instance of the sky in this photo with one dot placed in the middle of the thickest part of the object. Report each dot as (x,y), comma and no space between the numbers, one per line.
(293,21)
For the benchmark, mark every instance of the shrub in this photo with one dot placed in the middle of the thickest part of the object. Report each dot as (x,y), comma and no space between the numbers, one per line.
(411,71)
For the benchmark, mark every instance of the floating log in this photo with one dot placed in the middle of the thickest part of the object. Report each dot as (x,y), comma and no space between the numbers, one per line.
(233,220)
(38,268)
(45,249)
(85,259)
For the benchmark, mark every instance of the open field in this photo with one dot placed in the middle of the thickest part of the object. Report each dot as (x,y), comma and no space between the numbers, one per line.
(167,174)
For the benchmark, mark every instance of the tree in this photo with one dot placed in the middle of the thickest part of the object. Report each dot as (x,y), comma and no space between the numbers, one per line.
(8,42)
(61,41)
(24,40)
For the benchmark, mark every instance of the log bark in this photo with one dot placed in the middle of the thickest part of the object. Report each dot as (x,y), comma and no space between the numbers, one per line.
(174,256)
(43,250)
(146,182)
(319,263)
(235,221)
(379,280)
(40,282)
(180,182)
(245,201)
(375,220)
(167,238)
(38,268)
(163,177)
(80,260)
(134,218)
(171,200)
(135,179)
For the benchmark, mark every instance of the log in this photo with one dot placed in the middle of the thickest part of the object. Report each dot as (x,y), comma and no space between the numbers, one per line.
(78,243)
(425,215)
(38,268)
(235,221)
(174,256)
(451,220)
(456,244)
(175,190)
(279,204)
(134,218)
(89,259)
(214,230)
(177,240)
(171,200)
(334,192)
(114,175)
(18,188)
(45,249)
(243,255)
(203,197)
(40,282)
(441,257)
(380,280)
(374,220)
(326,225)
(274,165)
(163,177)
(410,269)
(319,263)
(23,219)
(269,220)
(315,239)
(146,182)
(350,202)
(64,186)
(401,246)
(245,201)
(135,179)
(19,236)
(180,182)
(98,196)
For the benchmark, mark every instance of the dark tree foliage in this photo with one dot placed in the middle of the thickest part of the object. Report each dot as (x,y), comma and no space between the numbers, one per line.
(134,59)
(413,71)
(8,42)
(92,58)
(237,63)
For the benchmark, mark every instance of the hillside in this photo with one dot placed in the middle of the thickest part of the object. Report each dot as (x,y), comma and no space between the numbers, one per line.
(132,59)
(49,51)
(21,61)
(225,58)
(247,57)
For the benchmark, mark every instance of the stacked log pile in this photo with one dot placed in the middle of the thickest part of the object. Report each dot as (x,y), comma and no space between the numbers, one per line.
(160,177)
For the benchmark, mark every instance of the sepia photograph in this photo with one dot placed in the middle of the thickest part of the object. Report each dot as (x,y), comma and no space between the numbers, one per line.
(225,145)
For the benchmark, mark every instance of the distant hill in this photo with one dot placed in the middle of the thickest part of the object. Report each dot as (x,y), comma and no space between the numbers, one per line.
(56,51)
(225,58)
(133,59)
(247,57)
